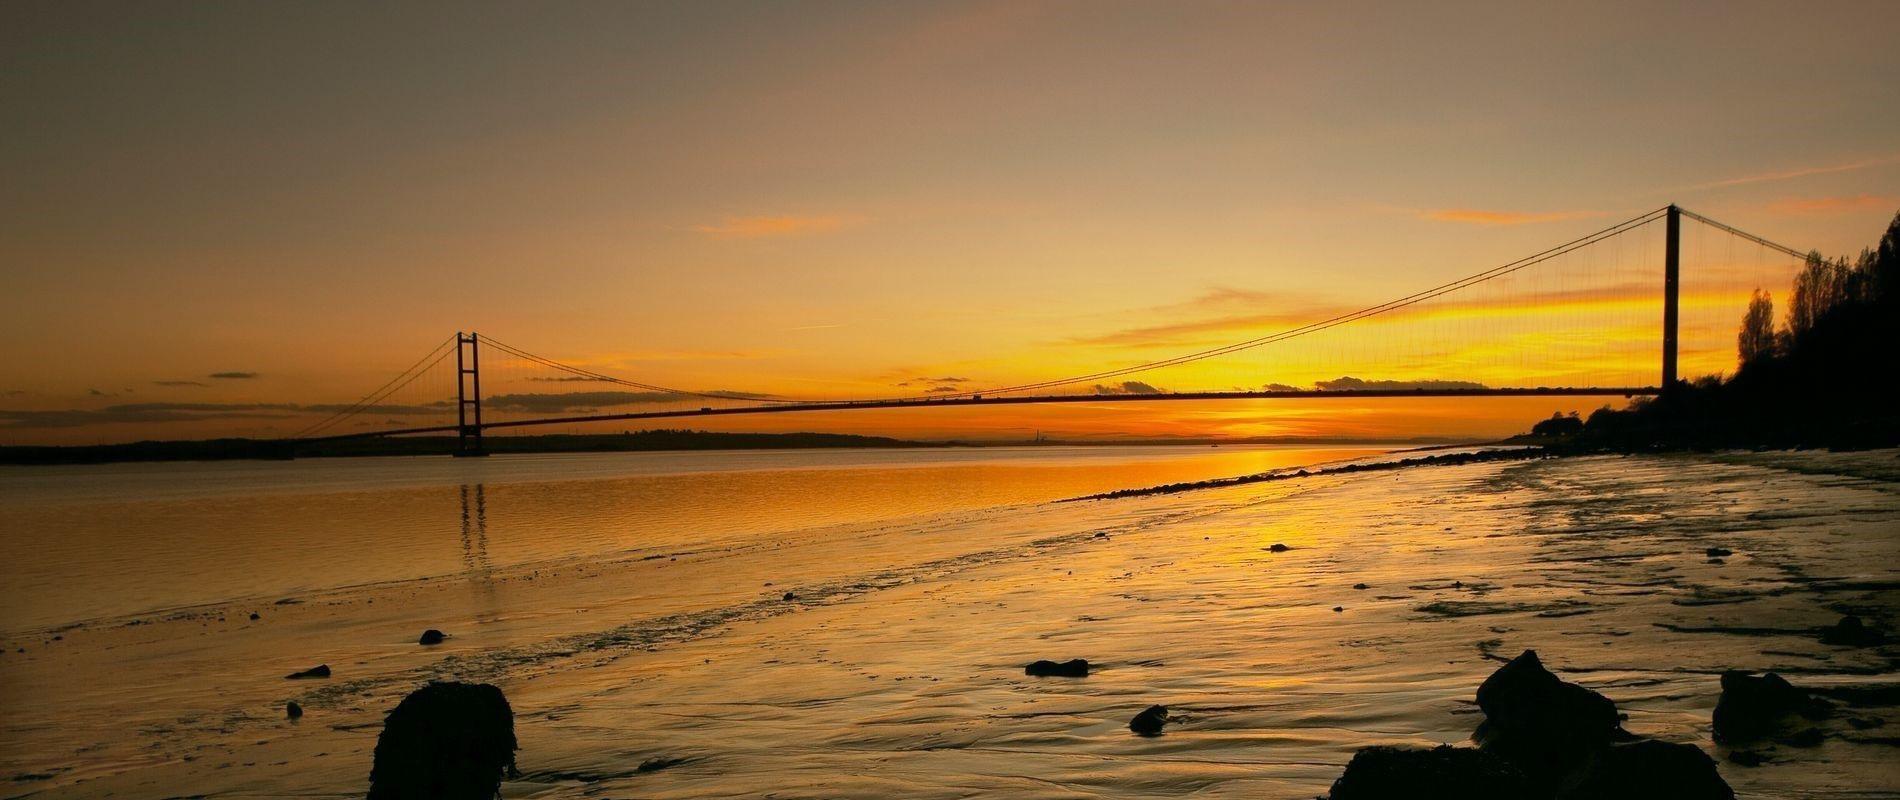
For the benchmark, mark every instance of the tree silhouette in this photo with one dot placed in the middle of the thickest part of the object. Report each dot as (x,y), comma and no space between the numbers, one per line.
(1821,286)
(1757,338)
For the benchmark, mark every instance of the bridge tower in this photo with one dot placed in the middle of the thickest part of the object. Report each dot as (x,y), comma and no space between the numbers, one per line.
(468,395)
(1672,284)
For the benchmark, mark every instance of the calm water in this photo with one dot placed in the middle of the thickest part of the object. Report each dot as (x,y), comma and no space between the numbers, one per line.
(853,625)
(98,541)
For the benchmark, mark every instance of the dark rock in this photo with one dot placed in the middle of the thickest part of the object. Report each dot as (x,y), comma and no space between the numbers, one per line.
(1390,773)
(1545,726)
(790,596)
(1747,758)
(318,671)
(1360,586)
(454,741)
(1073,668)
(1149,721)
(658,763)
(255,617)
(1851,632)
(292,710)
(1647,769)
(1756,706)
(1337,609)
(431,636)
(1718,552)
(1278,548)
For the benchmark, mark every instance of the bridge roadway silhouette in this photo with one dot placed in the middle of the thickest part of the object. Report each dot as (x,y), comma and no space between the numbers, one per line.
(708,411)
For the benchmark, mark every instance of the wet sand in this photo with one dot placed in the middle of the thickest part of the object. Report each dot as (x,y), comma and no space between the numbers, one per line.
(896,667)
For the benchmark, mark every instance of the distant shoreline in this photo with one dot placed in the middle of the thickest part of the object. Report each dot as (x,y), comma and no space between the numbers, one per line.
(635,442)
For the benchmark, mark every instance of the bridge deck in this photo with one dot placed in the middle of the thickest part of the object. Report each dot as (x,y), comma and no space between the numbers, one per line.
(782,408)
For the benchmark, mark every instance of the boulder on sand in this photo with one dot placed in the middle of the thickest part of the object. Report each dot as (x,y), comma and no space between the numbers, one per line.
(1851,632)
(1390,773)
(431,636)
(1755,706)
(1149,721)
(1073,668)
(1545,726)
(318,671)
(454,741)
(1647,769)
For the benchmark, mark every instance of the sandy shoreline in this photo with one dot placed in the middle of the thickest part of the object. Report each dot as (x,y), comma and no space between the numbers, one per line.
(896,668)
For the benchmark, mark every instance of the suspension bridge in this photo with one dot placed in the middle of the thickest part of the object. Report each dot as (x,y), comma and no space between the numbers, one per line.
(1599,315)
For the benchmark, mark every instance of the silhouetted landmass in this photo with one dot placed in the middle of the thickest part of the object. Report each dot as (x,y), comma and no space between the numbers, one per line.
(1824,378)
(223,449)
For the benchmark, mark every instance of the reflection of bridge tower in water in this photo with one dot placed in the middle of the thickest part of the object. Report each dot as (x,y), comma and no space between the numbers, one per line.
(475,564)
(475,530)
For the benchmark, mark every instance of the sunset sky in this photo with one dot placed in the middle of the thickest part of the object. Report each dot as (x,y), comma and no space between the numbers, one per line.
(212,211)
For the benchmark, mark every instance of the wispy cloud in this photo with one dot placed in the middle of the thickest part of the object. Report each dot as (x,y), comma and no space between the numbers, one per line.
(759,227)
(614,362)
(1479,216)
(233,376)
(1257,310)
(1835,205)
(680,355)
(591,401)
(1800,172)
(188,412)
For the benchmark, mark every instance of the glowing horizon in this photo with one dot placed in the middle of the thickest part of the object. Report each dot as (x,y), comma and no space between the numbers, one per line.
(842,199)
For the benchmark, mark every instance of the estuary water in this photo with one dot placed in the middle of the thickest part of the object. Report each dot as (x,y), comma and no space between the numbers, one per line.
(93,541)
(853,624)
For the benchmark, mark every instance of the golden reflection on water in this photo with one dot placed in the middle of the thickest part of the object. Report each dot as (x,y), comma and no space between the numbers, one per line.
(161,542)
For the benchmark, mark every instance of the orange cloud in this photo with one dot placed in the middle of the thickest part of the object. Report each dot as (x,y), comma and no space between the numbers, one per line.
(1833,205)
(1474,216)
(764,226)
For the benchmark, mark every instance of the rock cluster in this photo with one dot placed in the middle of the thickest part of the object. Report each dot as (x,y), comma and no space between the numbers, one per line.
(1542,737)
